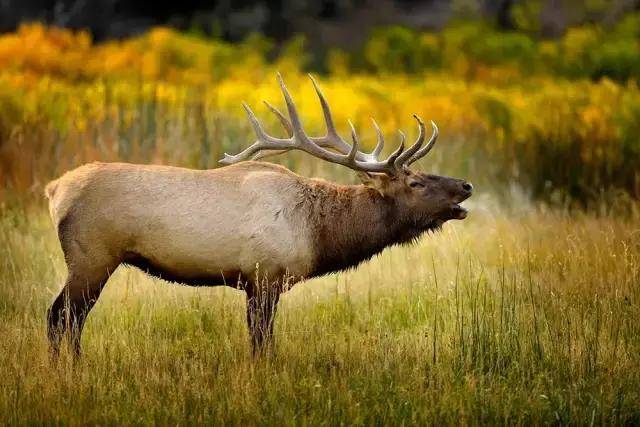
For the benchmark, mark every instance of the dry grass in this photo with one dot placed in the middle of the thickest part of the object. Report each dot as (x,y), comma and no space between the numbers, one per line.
(519,316)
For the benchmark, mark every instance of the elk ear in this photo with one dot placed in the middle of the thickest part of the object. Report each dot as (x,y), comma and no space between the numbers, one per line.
(377,181)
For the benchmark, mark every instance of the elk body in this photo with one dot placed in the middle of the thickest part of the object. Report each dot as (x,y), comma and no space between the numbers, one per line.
(252,225)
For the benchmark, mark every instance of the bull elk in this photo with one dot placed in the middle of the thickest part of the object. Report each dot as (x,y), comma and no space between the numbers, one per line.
(252,225)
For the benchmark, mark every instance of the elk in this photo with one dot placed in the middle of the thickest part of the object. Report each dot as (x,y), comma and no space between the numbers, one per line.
(251,225)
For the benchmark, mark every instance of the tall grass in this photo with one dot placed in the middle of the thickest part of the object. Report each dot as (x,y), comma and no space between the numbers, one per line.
(514,316)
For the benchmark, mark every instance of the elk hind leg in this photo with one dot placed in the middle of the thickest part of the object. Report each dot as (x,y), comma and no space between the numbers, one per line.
(86,277)
(69,311)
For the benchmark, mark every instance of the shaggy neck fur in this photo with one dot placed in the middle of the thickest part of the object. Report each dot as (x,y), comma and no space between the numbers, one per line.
(350,224)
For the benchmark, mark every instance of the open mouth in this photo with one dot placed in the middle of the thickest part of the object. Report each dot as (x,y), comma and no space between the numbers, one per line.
(458,212)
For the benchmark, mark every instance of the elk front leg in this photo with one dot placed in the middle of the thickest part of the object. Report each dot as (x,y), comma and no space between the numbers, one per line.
(262,302)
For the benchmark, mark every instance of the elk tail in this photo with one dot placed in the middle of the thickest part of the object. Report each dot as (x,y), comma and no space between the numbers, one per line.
(50,192)
(50,189)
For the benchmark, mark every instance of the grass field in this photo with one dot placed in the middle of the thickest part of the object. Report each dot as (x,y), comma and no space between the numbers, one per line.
(518,316)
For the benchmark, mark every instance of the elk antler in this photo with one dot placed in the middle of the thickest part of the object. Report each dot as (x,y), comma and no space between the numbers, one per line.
(330,147)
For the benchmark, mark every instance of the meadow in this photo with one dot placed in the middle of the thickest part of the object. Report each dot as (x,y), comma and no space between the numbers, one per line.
(525,313)
(512,316)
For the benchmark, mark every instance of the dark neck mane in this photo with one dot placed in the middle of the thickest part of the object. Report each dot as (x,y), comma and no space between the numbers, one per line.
(350,224)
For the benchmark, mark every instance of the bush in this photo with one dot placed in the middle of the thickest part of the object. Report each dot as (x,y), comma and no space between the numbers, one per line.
(398,49)
(463,48)
(618,59)
(509,47)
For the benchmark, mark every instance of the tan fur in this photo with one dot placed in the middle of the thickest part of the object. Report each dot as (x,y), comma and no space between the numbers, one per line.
(190,223)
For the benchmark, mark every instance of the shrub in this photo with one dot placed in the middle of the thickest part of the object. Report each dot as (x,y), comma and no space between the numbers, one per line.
(399,49)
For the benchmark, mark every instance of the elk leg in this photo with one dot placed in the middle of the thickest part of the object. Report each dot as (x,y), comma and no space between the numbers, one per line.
(261,311)
(69,311)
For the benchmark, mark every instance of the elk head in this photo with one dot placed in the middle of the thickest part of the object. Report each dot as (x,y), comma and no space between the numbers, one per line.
(426,201)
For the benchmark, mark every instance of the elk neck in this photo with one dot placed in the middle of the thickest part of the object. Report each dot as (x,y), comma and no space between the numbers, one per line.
(351,223)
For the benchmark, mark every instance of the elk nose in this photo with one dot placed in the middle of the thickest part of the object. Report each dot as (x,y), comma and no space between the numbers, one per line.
(467,186)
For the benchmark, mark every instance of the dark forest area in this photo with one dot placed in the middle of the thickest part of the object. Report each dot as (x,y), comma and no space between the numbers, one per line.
(330,22)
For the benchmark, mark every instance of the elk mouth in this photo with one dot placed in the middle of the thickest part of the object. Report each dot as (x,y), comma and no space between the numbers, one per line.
(458,212)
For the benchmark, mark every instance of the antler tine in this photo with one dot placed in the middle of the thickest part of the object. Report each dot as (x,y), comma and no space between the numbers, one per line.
(293,112)
(402,159)
(326,110)
(380,145)
(257,127)
(392,158)
(424,150)
(354,148)
(332,139)
(264,142)
(287,126)
(283,119)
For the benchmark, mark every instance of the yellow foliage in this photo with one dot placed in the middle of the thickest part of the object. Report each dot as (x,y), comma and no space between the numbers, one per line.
(155,91)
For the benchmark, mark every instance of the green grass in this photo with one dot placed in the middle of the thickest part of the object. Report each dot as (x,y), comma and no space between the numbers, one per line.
(513,316)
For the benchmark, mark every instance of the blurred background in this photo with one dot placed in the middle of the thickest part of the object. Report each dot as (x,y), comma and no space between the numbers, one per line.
(538,97)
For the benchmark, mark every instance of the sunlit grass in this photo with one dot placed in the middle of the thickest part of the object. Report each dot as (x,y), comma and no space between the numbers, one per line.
(516,315)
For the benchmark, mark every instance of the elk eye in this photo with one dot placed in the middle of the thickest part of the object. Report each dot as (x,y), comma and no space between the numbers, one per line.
(415,184)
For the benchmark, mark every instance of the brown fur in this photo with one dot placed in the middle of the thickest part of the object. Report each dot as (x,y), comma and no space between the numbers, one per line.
(350,225)
(353,223)
(209,228)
